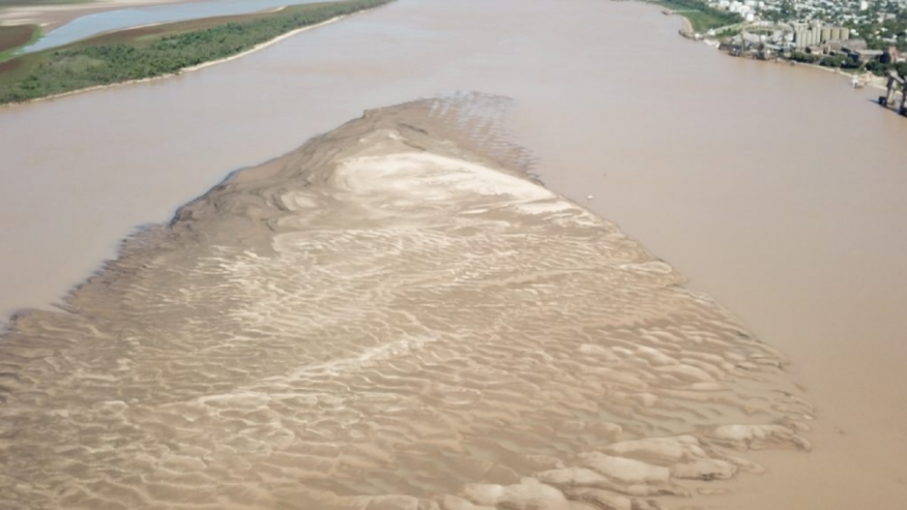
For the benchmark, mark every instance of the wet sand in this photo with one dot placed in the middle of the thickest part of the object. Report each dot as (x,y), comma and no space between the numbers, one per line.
(390,318)
(777,190)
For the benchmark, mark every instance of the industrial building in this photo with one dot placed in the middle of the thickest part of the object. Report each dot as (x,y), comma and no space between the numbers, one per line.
(806,35)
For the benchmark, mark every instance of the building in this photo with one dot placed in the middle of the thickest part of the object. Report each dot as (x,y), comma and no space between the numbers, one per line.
(855,44)
(806,35)
(864,55)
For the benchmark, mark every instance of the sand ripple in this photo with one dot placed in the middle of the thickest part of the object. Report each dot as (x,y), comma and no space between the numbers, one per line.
(387,318)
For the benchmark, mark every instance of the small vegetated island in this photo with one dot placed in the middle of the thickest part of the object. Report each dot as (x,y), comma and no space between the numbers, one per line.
(154,51)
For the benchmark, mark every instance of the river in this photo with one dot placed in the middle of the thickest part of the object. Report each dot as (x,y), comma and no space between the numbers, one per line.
(778,191)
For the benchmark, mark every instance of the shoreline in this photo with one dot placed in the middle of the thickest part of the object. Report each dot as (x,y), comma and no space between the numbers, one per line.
(687,24)
(259,47)
(190,69)
(874,82)
(687,28)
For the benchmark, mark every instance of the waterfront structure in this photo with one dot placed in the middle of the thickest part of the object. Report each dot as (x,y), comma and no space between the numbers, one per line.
(895,82)
(890,55)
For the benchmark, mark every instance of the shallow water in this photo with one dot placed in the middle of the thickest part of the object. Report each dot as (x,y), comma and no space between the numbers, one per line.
(94,24)
(779,191)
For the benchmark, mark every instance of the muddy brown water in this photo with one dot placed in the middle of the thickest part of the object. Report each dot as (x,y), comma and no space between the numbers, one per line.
(778,191)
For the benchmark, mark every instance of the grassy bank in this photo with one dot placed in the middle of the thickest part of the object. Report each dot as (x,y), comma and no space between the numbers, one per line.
(702,17)
(161,50)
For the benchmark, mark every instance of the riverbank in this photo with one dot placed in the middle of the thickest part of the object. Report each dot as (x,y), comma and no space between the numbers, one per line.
(698,16)
(865,79)
(687,29)
(694,30)
(158,51)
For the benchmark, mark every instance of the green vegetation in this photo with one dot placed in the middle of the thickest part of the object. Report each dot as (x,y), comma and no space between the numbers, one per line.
(805,58)
(701,16)
(840,61)
(882,68)
(850,64)
(787,12)
(155,51)
(16,36)
(883,25)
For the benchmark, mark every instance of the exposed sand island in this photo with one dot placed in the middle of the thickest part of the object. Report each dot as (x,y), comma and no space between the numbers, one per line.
(391,317)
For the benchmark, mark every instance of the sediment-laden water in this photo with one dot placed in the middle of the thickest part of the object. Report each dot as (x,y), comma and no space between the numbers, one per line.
(393,316)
